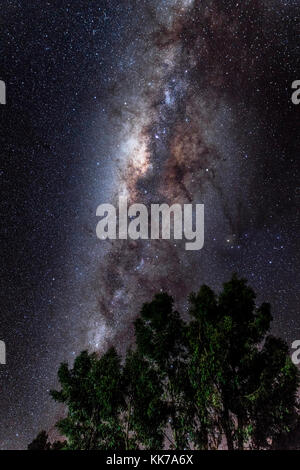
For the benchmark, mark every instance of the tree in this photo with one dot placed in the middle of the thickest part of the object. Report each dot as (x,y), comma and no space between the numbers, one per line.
(218,376)
(92,391)
(204,367)
(41,442)
(145,417)
(274,401)
(251,380)
(161,340)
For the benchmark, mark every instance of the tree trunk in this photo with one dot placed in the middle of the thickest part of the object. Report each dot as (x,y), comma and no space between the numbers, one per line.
(227,430)
(127,428)
(240,433)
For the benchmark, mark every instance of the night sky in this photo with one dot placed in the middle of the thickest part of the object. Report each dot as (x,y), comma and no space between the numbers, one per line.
(183,101)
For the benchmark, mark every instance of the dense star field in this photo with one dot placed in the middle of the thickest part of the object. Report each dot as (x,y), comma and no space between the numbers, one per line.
(176,101)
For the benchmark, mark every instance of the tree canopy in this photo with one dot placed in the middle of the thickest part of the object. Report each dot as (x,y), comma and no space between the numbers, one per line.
(218,378)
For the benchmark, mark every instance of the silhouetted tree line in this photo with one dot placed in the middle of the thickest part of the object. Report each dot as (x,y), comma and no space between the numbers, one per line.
(219,379)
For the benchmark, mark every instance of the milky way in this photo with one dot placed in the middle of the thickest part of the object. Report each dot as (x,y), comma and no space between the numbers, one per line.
(178,101)
(208,71)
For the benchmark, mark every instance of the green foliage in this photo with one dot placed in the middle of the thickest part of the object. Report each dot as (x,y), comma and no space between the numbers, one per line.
(92,391)
(161,339)
(146,413)
(245,383)
(186,384)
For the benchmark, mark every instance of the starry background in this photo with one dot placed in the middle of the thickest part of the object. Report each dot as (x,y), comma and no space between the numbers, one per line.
(162,101)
